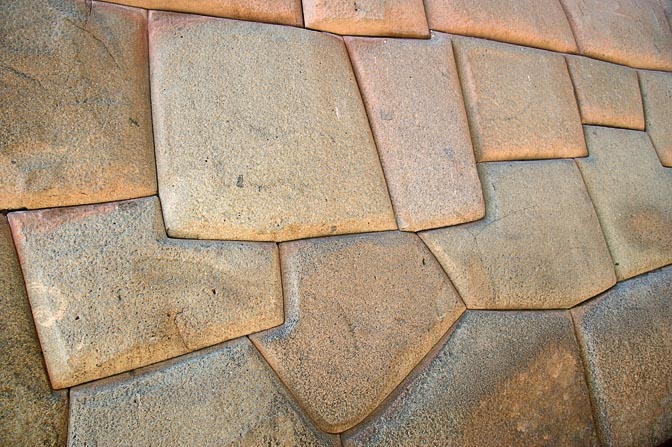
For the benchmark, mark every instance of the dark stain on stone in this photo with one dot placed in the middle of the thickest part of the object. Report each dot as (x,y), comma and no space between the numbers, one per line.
(239,182)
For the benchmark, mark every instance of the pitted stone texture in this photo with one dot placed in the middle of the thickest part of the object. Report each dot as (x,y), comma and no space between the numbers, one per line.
(501,379)
(260,133)
(74,90)
(414,101)
(626,339)
(540,245)
(534,23)
(225,395)
(31,414)
(608,94)
(629,32)
(110,293)
(520,102)
(361,312)
(631,192)
(400,18)
(657,93)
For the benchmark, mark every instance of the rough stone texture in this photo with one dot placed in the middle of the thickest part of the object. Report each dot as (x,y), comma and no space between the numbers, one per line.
(226,395)
(657,93)
(535,23)
(76,125)
(413,98)
(630,32)
(361,312)
(501,379)
(31,414)
(401,18)
(540,245)
(110,293)
(631,192)
(260,133)
(626,339)
(520,102)
(607,94)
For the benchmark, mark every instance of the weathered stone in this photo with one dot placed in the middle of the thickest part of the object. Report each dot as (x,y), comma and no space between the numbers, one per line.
(75,126)
(631,192)
(540,245)
(260,133)
(608,94)
(626,339)
(361,312)
(225,395)
(110,293)
(413,98)
(520,102)
(657,93)
(31,414)
(502,378)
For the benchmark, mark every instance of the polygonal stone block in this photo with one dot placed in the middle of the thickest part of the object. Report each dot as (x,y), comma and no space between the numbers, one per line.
(657,94)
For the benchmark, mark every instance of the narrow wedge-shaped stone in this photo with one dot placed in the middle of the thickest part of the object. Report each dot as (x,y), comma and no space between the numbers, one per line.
(657,94)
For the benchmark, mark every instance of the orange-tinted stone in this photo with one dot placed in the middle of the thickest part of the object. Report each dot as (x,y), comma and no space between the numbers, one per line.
(657,94)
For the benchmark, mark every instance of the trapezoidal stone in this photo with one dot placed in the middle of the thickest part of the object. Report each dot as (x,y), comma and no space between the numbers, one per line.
(657,94)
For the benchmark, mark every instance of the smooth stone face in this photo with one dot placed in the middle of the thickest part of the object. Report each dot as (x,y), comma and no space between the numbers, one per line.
(502,378)
(657,94)
(631,192)
(76,126)
(414,101)
(260,133)
(540,245)
(361,312)
(110,293)
(31,414)
(625,336)
(226,395)
(520,102)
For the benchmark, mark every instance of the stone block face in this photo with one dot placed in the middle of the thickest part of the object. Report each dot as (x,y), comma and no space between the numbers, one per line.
(657,93)
(361,312)
(631,192)
(540,245)
(412,94)
(110,292)
(76,124)
(260,133)
(626,343)
(520,102)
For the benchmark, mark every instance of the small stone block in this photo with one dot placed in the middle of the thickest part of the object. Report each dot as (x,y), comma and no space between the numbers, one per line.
(657,93)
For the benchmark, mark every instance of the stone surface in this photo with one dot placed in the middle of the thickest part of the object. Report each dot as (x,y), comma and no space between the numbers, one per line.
(501,379)
(260,133)
(76,125)
(110,293)
(631,192)
(31,414)
(414,102)
(539,246)
(534,23)
(400,18)
(361,312)
(225,395)
(657,93)
(629,32)
(626,339)
(607,94)
(520,102)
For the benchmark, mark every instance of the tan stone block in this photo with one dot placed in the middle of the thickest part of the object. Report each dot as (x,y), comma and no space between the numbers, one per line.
(412,94)
(261,133)
(110,292)
(520,102)
(361,312)
(76,125)
(657,93)
(501,378)
(631,192)
(540,245)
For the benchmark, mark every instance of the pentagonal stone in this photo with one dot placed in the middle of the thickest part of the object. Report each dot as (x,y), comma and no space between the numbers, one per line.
(626,339)
(539,246)
(110,293)
(631,192)
(657,94)
(361,312)
(76,125)
(502,378)
(260,133)
(225,395)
